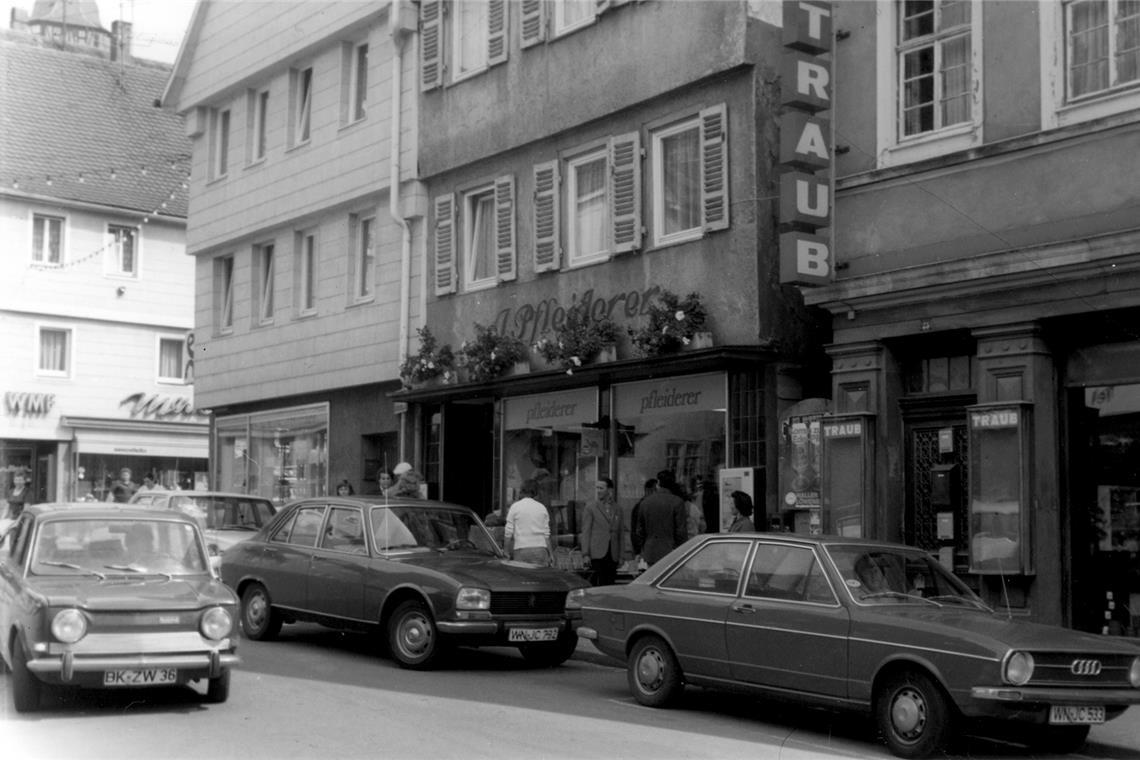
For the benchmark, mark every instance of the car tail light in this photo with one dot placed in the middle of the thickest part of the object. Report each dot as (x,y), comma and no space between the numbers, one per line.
(468,598)
(574,599)
(1018,668)
(69,626)
(216,623)
(1134,672)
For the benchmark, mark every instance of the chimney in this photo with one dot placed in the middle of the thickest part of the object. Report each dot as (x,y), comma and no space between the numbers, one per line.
(121,41)
(18,20)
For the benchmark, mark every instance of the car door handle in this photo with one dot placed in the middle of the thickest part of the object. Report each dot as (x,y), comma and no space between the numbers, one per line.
(744,608)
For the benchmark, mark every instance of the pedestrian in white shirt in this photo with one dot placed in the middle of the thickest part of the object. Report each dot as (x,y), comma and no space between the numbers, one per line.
(527,532)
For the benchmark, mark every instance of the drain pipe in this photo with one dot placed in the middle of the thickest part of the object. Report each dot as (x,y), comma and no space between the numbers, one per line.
(401,25)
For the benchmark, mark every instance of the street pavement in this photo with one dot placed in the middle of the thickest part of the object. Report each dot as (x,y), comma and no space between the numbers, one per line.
(1115,740)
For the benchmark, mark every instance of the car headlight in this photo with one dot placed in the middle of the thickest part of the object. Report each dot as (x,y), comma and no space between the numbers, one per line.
(69,626)
(216,623)
(1134,672)
(473,599)
(1018,668)
(574,599)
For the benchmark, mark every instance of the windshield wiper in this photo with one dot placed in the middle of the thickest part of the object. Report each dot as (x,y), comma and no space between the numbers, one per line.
(70,566)
(963,600)
(234,526)
(142,570)
(898,595)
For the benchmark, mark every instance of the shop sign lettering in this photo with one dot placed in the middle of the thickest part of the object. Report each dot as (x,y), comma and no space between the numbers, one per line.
(669,398)
(1005,418)
(552,410)
(154,405)
(530,321)
(19,403)
(842,429)
(805,144)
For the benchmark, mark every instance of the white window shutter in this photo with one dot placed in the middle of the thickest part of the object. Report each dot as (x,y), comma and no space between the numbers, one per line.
(547,252)
(625,192)
(445,274)
(505,253)
(497,32)
(431,44)
(533,22)
(714,168)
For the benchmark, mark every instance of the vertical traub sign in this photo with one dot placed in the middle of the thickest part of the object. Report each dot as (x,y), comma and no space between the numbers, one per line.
(805,144)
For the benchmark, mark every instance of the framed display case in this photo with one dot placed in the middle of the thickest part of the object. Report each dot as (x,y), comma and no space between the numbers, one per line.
(1000,489)
(848,479)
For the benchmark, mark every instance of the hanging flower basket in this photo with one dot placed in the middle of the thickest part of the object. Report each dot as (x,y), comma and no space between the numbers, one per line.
(672,324)
(432,362)
(490,354)
(579,341)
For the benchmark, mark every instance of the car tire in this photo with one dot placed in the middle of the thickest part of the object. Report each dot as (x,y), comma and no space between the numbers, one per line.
(653,672)
(259,621)
(553,654)
(413,637)
(218,689)
(914,717)
(27,690)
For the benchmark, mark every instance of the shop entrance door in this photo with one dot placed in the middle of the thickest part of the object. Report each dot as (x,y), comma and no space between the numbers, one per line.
(468,463)
(937,478)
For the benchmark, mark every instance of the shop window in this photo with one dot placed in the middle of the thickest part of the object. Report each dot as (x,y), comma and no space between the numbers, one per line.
(281,455)
(54,352)
(122,246)
(171,360)
(47,240)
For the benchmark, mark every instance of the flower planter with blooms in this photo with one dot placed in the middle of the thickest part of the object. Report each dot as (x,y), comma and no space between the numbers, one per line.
(431,362)
(578,341)
(673,321)
(490,354)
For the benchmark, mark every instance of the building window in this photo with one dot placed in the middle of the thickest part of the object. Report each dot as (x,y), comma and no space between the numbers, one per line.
(476,30)
(47,240)
(265,269)
(1103,45)
(123,247)
(479,238)
(55,352)
(171,360)
(572,14)
(219,143)
(470,37)
(588,219)
(281,454)
(306,272)
(301,105)
(677,183)
(355,82)
(224,290)
(364,256)
(258,111)
(934,65)
(486,237)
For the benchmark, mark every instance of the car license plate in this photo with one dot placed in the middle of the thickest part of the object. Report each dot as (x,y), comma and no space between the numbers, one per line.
(1068,715)
(148,677)
(533,634)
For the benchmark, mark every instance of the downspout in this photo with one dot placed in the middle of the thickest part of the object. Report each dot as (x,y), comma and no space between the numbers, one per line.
(400,29)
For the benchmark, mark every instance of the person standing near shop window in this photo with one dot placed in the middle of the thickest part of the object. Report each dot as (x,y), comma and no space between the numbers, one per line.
(124,488)
(18,495)
(601,534)
(741,513)
(661,520)
(527,532)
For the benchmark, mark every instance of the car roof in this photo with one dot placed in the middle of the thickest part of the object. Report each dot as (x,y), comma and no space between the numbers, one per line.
(819,539)
(376,500)
(103,510)
(225,494)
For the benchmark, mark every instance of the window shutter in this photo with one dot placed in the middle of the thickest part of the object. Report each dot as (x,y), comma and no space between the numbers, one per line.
(497,32)
(505,227)
(714,168)
(431,29)
(533,22)
(625,191)
(445,274)
(547,253)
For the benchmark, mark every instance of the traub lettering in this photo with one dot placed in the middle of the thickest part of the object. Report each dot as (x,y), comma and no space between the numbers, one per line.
(1003,419)
(843,429)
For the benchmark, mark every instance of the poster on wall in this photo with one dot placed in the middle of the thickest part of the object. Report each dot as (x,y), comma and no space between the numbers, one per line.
(735,479)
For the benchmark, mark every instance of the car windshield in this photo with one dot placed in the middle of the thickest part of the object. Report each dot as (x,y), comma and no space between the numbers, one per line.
(106,546)
(225,512)
(429,528)
(886,575)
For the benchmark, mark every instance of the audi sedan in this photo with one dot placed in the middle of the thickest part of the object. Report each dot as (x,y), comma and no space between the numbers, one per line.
(111,596)
(853,624)
(425,574)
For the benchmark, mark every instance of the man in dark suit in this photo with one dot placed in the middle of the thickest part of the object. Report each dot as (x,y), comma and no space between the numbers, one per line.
(660,524)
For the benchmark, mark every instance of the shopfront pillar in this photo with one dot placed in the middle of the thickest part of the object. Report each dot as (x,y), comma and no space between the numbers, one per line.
(1016,369)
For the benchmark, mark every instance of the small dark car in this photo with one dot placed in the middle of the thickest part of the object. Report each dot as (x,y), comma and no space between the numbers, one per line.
(110,596)
(862,625)
(425,573)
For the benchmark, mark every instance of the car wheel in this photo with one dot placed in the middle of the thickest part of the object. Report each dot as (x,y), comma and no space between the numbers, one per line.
(914,717)
(654,675)
(413,637)
(1059,740)
(26,688)
(553,654)
(258,618)
(218,689)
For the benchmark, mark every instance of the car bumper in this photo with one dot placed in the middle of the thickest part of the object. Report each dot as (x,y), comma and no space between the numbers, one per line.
(67,665)
(1042,695)
(498,628)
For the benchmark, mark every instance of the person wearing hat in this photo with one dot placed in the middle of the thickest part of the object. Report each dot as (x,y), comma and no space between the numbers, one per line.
(408,482)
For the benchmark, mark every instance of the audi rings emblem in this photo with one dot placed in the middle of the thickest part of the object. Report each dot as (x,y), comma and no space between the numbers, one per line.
(1085,668)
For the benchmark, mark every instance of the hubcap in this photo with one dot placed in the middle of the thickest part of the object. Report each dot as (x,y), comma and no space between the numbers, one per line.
(908,713)
(255,611)
(415,635)
(650,669)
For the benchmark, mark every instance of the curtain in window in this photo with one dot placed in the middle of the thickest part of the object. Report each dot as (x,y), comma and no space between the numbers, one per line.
(956,81)
(170,358)
(590,208)
(53,350)
(124,241)
(46,234)
(1088,47)
(481,258)
(681,164)
(367,257)
(1128,42)
(471,36)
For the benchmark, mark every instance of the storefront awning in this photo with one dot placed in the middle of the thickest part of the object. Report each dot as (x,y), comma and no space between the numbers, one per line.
(152,439)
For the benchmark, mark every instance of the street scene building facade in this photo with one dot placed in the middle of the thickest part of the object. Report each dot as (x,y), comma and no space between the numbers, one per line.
(984,296)
(306,246)
(97,312)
